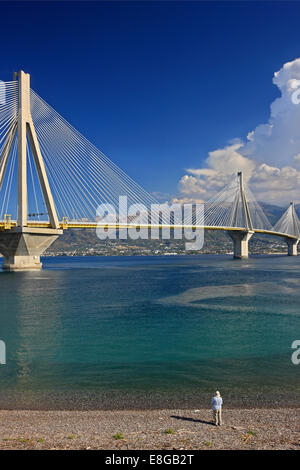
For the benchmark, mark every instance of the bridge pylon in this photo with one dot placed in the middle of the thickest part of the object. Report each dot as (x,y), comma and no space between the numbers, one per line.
(289,225)
(293,243)
(22,245)
(240,217)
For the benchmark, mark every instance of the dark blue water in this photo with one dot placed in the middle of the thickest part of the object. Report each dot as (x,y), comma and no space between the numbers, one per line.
(99,332)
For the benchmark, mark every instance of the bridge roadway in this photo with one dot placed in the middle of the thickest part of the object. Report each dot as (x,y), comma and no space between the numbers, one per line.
(8,225)
(22,246)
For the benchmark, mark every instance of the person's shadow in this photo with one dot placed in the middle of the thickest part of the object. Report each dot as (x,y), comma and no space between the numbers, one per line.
(184,418)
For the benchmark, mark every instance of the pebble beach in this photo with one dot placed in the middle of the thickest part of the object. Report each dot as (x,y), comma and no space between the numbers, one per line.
(150,429)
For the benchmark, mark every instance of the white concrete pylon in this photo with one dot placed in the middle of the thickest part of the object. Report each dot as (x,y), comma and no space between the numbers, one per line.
(241,238)
(293,244)
(241,204)
(246,212)
(26,127)
(23,245)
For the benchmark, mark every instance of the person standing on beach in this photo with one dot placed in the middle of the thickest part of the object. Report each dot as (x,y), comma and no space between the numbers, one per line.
(217,403)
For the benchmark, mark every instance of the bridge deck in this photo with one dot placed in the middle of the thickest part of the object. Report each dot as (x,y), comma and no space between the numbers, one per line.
(8,225)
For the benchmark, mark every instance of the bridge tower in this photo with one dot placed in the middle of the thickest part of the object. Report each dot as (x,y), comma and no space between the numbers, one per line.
(240,238)
(22,245)
(293,243)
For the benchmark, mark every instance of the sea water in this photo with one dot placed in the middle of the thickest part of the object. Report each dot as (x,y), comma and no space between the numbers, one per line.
(142,332)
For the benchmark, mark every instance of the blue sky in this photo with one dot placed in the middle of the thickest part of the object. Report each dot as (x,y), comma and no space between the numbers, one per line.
(155,85)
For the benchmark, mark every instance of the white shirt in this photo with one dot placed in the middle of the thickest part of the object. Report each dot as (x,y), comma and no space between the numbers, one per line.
(217,403)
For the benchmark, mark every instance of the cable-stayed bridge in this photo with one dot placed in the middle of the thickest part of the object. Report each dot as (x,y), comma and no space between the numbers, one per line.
(52,178)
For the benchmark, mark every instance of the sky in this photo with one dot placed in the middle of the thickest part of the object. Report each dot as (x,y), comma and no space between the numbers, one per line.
(179,94)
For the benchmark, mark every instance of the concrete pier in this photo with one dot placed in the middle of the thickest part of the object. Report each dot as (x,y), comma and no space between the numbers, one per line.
(292,246)
(22,248)
(240,240)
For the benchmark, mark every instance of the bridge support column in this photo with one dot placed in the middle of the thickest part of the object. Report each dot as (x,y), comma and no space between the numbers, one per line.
(240,242)
(292,246)
(22,248)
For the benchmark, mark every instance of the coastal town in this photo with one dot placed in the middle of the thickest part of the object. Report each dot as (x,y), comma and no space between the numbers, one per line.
(76,242)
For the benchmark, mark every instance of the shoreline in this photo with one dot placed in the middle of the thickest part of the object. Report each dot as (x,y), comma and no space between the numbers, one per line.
(120,400)
(153,255)
(173,429)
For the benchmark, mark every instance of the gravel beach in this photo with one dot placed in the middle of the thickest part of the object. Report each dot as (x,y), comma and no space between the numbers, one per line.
(150,429)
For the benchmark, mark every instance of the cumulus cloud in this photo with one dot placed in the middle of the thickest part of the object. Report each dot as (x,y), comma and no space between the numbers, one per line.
(269,156)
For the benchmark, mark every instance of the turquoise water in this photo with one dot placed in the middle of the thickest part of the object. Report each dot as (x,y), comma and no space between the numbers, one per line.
(97,332)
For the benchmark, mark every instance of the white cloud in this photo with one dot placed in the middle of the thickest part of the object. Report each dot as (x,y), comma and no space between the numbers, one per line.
(222,164)
(276,185)
(267,156)
(297,158)
(186,200)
